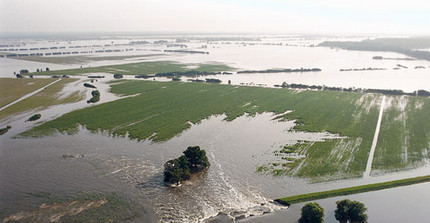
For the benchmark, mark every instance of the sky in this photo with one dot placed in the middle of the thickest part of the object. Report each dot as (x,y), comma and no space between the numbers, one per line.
(410,17)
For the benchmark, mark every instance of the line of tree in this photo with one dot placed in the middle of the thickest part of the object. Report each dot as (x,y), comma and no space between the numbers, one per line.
(287,70)
(180,169)
(422,93)
(347,211)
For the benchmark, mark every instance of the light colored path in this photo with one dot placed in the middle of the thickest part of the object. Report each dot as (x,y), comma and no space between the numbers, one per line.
(375,140)
(29,95)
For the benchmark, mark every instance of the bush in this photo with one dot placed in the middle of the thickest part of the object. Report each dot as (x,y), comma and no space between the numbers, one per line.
(34,117)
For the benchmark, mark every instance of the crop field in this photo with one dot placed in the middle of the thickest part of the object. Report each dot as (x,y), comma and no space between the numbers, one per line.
(142,68)
(164,109)
(12,89)
(47,97)
(404,140)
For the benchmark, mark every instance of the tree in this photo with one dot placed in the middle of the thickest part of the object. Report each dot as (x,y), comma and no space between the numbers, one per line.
(357,212)
(312,213)
(197,157)
(177,170)
(352,211)
(47,69)
(342,212)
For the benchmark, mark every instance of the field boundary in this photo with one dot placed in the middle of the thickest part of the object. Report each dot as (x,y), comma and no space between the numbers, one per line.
(352,190)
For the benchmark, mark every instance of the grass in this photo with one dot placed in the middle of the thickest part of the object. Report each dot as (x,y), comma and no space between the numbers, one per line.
(352,190)
(12,89)
(164,109)
(141,68)
(47,97)
(405,134)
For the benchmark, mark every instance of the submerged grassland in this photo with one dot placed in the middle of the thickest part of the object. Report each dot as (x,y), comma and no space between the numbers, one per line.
(12,89)
(404,139)
(45,98)
(86,207)
(162,110)
(141,68)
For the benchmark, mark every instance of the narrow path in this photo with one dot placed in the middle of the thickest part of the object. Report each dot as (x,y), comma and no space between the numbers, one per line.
(29,95)
(375,140)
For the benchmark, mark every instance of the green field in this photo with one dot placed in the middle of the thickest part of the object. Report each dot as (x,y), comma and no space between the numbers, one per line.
(12,89)
(47,97)
(352,190)
(163,110)
(142,68)
(405,134)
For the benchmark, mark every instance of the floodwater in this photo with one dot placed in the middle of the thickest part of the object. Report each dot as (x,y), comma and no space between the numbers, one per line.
(231,187)
(257,55)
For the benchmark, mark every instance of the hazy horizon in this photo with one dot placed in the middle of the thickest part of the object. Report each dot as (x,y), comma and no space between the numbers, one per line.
(210,16)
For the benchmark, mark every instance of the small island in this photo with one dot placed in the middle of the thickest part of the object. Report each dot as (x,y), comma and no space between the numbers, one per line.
(180,169)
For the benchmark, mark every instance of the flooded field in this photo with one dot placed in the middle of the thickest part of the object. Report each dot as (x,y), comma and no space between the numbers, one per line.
(232,188)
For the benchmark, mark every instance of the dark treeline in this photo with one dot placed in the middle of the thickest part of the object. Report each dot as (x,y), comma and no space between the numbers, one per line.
(404,46)
(186,51)
(422,93)
(190,73)
(279,70)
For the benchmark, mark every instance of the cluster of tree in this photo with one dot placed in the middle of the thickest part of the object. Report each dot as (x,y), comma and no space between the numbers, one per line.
(347,210)
(213,80)
(4,130)
(180,169)
(34,117)
(422,93)
(89,85)
(95,98)
(279,70)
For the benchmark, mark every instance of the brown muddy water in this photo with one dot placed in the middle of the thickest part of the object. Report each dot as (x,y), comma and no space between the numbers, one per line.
(134,170)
